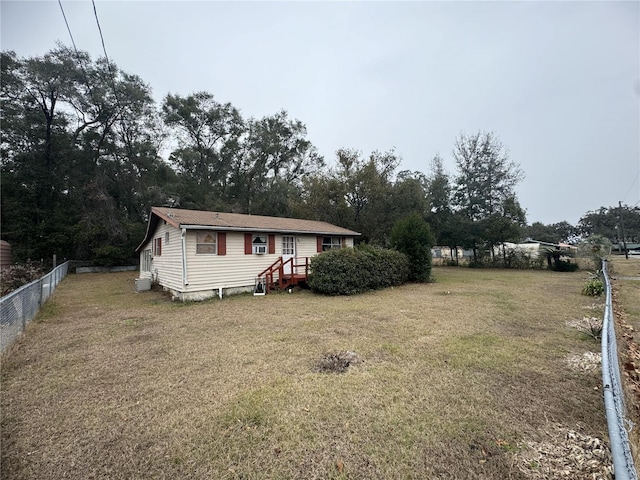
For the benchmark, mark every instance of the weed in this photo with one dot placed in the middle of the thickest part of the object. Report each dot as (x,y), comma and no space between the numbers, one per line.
(593,288)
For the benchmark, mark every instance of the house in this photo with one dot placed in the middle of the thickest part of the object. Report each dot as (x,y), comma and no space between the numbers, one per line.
(198,254)
(539,248)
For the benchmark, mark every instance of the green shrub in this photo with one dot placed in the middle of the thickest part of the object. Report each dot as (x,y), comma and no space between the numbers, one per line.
(350,271)
(593,288)
(412,236)
(564,266)
(110,256)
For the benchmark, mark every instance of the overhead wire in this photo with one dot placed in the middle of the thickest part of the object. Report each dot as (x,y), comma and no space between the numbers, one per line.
(106,56)
(632,184)
(75,48)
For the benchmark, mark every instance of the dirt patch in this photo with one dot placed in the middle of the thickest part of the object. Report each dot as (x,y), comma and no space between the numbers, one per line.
(337,362)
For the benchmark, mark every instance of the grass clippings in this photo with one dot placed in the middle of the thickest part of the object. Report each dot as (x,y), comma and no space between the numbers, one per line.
(585,362)
(117,384)
(565,453)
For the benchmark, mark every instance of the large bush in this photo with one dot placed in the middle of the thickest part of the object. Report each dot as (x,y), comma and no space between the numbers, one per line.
(412,236)
(349,271)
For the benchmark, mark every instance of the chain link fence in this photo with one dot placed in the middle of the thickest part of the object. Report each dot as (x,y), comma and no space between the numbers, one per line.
(623,465)
(20,307)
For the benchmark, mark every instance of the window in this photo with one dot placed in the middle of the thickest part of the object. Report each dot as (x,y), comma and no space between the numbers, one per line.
(166,238)
(331,242)
(145,264)
(157,247)
(288,245)
(206,243)
(259,244)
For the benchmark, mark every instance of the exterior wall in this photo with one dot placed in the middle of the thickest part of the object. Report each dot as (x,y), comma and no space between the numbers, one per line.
(235,269)
(166,269)
(233,272)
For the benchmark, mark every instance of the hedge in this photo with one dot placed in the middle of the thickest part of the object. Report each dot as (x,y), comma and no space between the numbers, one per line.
(350,271)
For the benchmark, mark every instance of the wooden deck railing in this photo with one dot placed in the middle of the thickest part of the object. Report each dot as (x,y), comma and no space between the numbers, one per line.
(275,276)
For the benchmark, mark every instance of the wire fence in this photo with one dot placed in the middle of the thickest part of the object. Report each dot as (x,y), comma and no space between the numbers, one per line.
(20,307)
(623,465)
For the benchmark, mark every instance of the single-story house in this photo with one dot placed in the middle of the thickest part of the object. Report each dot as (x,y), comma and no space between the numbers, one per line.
(199,254)
(538,247)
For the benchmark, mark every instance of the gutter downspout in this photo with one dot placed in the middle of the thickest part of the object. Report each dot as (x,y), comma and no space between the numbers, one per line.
(183,238)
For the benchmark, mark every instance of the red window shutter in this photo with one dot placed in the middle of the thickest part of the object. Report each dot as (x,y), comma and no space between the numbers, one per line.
(344,242)
(222,243)
(159,247)
(319,244)
(248,238)
(272,243)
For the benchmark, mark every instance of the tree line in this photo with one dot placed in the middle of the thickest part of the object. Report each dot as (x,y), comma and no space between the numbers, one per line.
(86,152)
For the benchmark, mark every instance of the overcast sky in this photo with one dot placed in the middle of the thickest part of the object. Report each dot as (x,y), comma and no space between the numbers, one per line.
(557,82)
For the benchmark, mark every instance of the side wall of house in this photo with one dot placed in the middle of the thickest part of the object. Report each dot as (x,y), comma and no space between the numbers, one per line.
(166,268)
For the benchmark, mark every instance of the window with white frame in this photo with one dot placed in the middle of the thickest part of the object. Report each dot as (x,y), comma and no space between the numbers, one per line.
(206,243)
(259,244)
(329,243)
(288,245)
(166,238)
(145,263)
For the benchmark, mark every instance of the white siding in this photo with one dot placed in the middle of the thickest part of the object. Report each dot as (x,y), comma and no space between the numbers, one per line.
(166,269)
(207,273)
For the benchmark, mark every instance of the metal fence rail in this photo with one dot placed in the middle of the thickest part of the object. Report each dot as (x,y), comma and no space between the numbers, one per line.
(20,307)
(623,465)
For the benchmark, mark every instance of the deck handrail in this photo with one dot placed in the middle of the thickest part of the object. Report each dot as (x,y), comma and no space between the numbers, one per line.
(278,266)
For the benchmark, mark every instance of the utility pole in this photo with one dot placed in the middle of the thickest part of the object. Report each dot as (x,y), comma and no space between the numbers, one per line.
(624,241)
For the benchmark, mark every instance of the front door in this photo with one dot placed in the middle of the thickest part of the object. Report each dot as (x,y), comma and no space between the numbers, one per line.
(288,251)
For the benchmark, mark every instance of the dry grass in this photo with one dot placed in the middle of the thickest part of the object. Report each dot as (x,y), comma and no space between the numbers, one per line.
(452,378)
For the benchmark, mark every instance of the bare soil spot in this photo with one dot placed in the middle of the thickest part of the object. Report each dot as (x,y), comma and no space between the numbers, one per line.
(337,362)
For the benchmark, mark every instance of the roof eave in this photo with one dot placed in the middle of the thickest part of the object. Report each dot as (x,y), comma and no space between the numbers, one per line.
(267,230)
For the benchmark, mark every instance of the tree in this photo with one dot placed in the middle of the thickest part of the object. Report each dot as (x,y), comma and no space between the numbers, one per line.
(505,225)
(79,154)
(439,198)
(275,157)
(208,135)
(597,248)
(553,233)
(608,222)
(486,180)
(412,236)
(35,141)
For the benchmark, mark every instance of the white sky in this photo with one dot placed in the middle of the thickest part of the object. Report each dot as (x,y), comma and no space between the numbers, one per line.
(557,82)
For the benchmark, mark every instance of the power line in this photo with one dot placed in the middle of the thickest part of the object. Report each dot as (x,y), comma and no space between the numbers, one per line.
(632,184)
(73,42)
(112,74)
